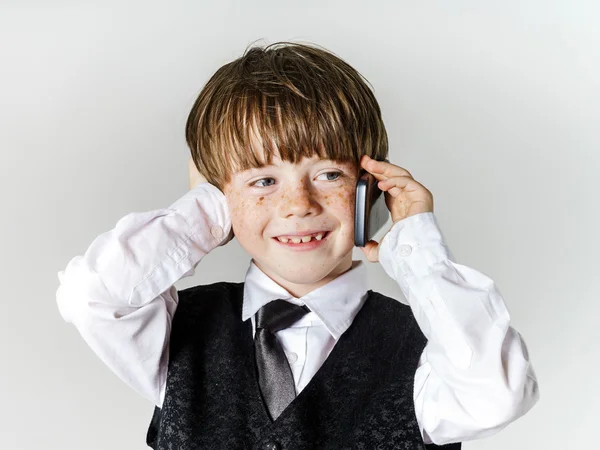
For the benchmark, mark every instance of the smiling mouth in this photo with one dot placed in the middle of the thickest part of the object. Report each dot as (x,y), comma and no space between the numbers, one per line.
(298,240)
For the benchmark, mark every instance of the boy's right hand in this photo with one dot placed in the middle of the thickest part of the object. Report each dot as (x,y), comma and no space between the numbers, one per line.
(196,178)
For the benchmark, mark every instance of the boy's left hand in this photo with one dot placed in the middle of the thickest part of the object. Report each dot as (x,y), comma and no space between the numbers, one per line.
(404,196)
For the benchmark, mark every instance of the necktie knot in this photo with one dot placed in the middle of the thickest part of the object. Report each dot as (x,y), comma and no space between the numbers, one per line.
(279,314)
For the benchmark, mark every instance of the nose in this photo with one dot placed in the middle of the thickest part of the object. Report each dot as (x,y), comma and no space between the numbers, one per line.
(299,200)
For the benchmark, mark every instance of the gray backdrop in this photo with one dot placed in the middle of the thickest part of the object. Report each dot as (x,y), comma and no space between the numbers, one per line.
(493,106)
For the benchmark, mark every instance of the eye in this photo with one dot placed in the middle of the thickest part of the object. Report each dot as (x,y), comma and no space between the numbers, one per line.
(262,179)
(336,174)
(339,174)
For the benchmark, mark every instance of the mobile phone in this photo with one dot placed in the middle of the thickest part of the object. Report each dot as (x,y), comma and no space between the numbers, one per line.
(371,212)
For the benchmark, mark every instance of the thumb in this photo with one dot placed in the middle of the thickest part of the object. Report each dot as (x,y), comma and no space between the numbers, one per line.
(371,250)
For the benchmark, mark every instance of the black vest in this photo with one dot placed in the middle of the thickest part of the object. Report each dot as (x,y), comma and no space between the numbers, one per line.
(360,398)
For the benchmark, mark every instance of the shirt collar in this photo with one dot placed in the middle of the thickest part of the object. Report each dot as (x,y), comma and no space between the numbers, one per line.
(335,304)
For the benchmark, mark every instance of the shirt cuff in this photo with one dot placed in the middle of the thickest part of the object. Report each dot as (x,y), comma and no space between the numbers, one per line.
(206,213)
(205,200)
(412,248)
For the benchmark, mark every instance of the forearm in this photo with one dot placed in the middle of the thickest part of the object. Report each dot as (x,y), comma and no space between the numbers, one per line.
(475,375)
(120,294)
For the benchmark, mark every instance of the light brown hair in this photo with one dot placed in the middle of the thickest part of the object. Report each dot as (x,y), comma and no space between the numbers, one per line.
(300,99)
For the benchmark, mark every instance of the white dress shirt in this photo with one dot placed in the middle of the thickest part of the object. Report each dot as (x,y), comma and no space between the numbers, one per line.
(474,376)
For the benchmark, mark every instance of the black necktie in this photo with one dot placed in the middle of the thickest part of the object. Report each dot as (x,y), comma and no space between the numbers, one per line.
(274,373)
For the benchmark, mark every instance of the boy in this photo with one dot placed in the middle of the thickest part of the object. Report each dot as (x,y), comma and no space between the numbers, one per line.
(300,355)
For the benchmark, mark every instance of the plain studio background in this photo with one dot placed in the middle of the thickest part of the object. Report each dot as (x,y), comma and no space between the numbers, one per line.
(493,106)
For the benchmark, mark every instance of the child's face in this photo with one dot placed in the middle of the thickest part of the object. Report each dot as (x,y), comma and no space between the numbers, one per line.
(287,198)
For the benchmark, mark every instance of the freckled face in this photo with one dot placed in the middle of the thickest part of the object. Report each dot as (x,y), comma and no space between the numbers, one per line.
(285,198)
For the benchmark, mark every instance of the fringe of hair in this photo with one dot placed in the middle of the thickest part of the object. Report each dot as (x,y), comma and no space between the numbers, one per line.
(290,99)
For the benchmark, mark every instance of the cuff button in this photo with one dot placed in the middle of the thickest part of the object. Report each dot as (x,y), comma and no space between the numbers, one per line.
(217,232)
(405,249)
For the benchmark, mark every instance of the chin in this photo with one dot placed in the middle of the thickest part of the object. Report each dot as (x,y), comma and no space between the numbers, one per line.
(299,273)
(305,277)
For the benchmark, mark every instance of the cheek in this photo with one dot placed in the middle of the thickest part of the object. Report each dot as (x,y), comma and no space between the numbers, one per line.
(248,214)
(342,202)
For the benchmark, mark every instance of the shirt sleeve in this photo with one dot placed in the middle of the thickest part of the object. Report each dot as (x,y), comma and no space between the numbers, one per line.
(120,294)
(474,375)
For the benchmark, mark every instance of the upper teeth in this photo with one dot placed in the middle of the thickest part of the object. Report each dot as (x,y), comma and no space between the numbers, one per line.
(298,239)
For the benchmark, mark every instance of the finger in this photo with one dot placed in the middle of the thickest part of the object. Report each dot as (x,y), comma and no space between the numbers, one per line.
(383,169)
(395,185)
